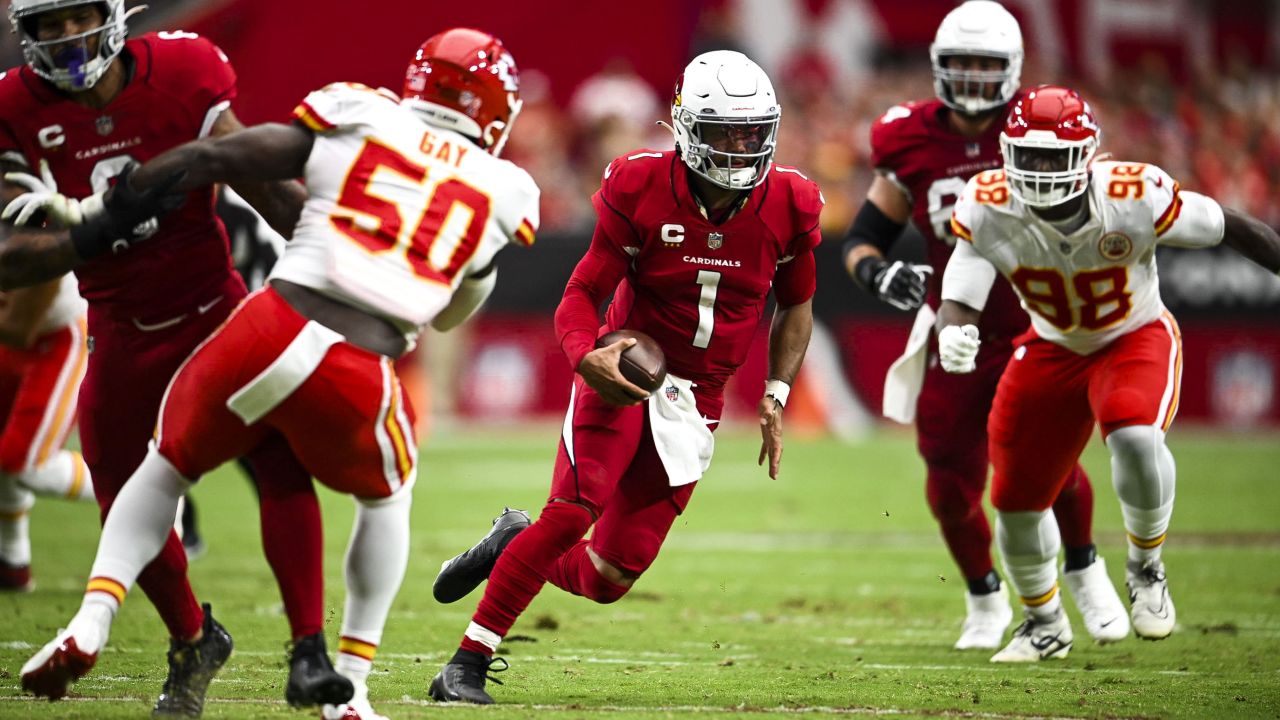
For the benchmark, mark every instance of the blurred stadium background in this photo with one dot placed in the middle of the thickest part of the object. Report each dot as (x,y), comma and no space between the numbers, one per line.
(1191,85)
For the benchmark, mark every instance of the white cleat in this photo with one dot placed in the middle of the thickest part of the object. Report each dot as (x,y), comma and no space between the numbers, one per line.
(986,619)
(357,708)
(1099,603)
(1152,608)
(1037,640)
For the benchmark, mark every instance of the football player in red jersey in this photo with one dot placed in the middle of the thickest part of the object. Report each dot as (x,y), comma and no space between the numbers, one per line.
(87,103)
(923,153)
(689,243)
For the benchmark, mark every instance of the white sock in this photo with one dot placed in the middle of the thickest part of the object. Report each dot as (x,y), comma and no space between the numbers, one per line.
(1029,542)
(15,523)
(139,521)
(1144,475)
(377,556)
(63,475)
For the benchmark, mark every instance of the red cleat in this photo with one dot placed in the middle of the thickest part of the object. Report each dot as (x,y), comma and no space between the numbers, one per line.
(58,664)
(15,578)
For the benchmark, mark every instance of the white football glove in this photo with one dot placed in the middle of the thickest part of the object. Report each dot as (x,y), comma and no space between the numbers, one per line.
(958,348)
(42,194)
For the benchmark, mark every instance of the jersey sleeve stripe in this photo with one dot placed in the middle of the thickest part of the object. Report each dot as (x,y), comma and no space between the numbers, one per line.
(309,117)
(1170,214)
(960,230)
(524,234)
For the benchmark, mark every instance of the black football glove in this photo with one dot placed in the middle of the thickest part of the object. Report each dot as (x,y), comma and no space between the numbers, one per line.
(129,215)
(902,285)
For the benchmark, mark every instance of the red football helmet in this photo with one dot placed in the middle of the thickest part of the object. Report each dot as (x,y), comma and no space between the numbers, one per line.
(465,80)
(1048,142)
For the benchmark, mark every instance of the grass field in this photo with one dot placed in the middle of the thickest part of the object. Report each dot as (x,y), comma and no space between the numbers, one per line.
(827,592)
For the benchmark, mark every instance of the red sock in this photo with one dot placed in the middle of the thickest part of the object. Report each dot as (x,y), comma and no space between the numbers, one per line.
(956,501)
(292,533)
(1074,510)
(575,573)
(523,567)
(164,580)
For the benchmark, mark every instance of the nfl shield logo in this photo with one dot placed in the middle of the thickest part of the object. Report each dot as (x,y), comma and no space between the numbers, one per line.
(972,150)
(715,240)
(672,392)
(105,125)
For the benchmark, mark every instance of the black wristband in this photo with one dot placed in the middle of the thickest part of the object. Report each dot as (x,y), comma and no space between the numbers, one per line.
(94,237)
(872,227)
(867,269)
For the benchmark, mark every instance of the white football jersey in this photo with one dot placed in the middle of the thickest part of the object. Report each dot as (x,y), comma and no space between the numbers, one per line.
(399,211)
(1089,287)
(67,308)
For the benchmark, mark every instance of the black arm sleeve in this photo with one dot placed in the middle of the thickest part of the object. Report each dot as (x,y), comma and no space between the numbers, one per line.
(872,227)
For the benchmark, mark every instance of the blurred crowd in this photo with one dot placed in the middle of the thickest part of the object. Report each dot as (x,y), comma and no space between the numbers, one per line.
(1219,135)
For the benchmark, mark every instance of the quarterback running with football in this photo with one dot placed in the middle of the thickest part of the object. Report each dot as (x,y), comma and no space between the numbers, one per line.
(689,243)
(923,153)
(1076,239)
(86,105)
(408,205)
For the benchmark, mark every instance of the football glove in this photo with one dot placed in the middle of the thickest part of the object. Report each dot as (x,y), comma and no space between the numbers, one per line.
(128,215)
(900,284)
(42,195)
(958,348)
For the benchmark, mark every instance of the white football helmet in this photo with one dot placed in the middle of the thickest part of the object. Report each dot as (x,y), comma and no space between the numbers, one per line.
(977,28)
(726,89)
(67,62)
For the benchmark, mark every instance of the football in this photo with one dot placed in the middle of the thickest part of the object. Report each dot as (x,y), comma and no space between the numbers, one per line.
(643,363)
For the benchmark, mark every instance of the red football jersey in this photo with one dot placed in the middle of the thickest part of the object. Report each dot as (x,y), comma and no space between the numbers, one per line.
(915,148)
(699,289)
(179,83)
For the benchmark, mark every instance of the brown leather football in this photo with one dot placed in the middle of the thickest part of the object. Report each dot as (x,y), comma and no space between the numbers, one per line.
(643,363)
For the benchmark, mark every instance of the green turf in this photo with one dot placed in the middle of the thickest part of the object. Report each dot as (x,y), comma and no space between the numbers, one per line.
(825,592)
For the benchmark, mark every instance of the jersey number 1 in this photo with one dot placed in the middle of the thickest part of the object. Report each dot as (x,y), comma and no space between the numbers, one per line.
(710,282)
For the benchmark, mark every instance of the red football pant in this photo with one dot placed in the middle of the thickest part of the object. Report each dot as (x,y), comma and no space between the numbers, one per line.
(951,434)
(1050,397)
(349,421)
(613,477)
(38,390)
(128,371)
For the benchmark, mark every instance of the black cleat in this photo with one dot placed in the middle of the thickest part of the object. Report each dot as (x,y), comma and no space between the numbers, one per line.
(462,680)
(191,668)
(463,573)
(312,679)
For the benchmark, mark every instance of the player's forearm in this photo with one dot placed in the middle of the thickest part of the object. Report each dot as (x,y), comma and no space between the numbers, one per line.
(577,317)
(789,339)
(23,312)
(954,313)
(258,154)
(279,203)
(1252,238)
(31,257)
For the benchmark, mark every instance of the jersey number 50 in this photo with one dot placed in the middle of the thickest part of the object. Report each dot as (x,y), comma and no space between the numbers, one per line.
(436,249)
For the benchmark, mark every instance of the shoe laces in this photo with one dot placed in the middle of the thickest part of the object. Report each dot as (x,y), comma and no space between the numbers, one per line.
(476,674)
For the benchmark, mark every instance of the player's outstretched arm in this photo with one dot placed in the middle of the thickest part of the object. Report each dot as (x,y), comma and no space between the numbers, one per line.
(1252,238)
(22,313)
(273,151)
(876,228)
(278,202)
(788,342)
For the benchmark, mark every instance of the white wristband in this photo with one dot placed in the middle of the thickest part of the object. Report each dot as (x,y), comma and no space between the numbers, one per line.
(778,390)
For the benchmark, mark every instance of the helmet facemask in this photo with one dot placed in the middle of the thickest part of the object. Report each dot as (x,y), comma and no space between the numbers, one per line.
(972,91)
(74,63)
(1047,171)
(699,136)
